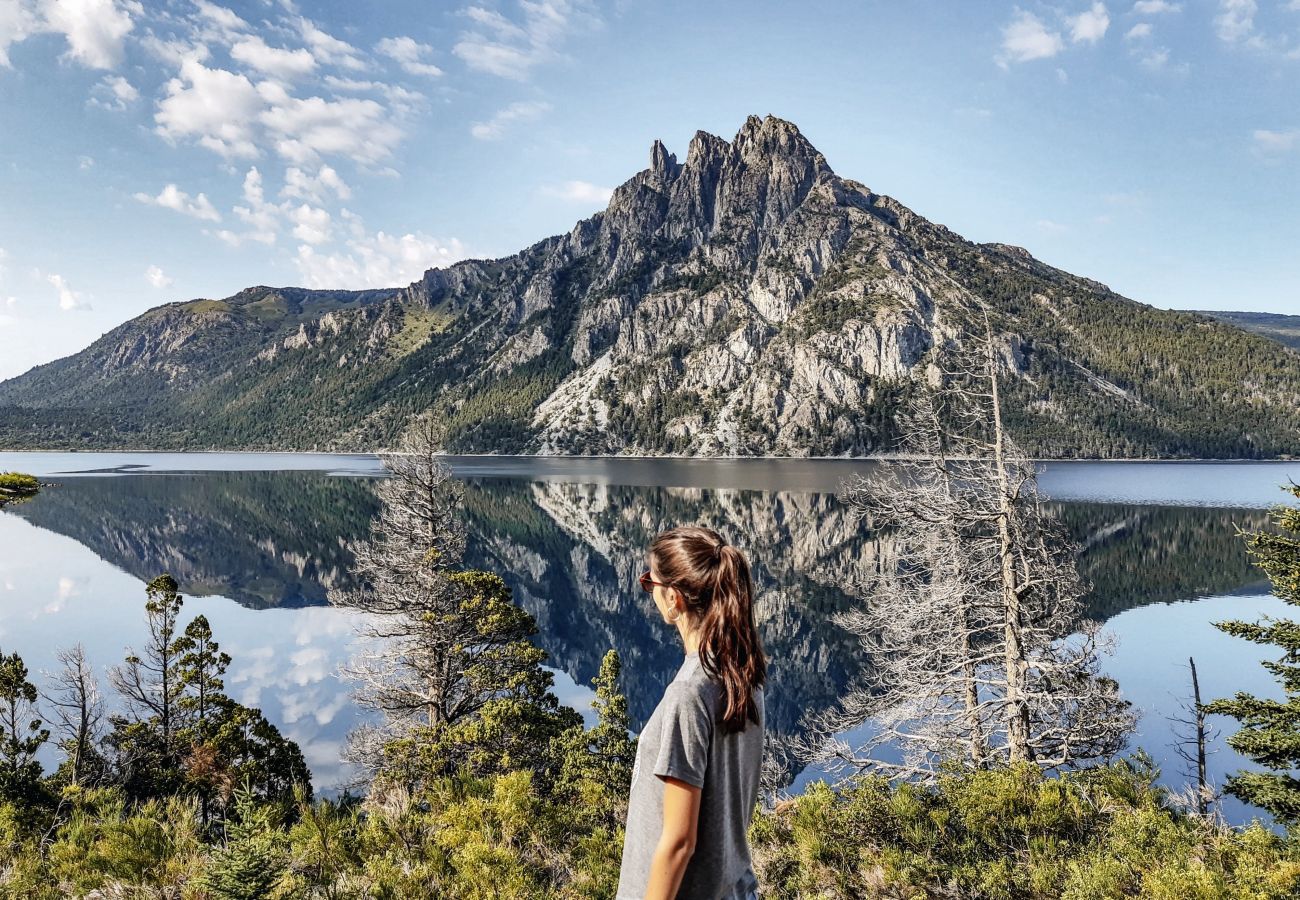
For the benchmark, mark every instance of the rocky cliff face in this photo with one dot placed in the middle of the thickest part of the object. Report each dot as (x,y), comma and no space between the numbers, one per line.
(745,301)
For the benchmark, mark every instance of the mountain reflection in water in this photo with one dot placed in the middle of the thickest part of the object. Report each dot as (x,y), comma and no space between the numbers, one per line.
(571,553)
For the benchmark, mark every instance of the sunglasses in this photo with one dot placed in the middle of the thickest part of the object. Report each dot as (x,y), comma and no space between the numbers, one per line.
(648,584)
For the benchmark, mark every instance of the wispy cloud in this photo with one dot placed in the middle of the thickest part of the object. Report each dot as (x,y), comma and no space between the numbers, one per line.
(512,48)
(409,54)
(1276,142)
(579,192)
(274,61)
(1155,7)
(1027,38)
(69,299)
(1090,25)
(316,188)
(113,92)
(378,259)
(329,49)
(522,111)
(1236,20)
(262,218)
(1138,31)
(157,278)
(1049,227)
(172,197)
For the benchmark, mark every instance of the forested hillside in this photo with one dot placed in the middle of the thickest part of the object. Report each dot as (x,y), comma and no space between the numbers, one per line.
(748,301)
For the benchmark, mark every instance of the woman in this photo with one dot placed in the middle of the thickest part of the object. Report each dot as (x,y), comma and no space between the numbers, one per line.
(698,759)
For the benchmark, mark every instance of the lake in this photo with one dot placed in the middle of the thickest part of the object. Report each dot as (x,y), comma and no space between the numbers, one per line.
(257,540)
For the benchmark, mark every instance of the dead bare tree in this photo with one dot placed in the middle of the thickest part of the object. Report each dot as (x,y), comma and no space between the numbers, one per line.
(76,705)
(1193,737)
(977,648)
(405,593)
(441,644)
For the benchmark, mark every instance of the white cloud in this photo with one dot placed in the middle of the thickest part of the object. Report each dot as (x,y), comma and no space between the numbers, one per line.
(329,49)
(1276,141)
(305,186)
(1090,25)
(579,192)
(1138,31)
(1051,227)
(174,198)
(229,114)
(273,61)
(223,19)
(409,54)
(262,218)
(85,162)
(377,260)
(311,224)
(217,107)
(521,111)
(174,51)
(1236,20)
(307,129)
(499,46)
(17,23)
(114,92)
(1026,38)
(95,29)
(1156,58)
(68,298)
(156,277)
(1155,7)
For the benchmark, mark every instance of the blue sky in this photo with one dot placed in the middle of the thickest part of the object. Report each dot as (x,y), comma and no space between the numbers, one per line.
(161,151)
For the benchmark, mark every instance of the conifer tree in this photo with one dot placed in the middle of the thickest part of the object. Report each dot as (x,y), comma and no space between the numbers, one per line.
(1270,734)
(21,732)
(597,763)
(200,666)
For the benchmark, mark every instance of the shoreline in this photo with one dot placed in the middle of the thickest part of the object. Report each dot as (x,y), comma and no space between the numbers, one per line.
(667,456)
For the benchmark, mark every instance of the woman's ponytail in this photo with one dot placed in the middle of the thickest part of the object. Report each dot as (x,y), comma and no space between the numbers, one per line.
(715,579)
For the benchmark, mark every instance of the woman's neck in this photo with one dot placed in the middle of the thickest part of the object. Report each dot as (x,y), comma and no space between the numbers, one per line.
(690,636)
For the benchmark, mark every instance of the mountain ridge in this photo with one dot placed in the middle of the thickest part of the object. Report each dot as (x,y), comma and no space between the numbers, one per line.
(746,301)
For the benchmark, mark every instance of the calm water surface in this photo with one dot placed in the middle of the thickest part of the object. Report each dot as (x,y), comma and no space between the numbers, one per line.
(257,540)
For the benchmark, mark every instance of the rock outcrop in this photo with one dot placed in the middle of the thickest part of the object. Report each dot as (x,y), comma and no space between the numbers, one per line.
(746,301)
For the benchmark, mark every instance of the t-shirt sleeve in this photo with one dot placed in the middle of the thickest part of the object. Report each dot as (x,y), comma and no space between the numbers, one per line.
(685,735)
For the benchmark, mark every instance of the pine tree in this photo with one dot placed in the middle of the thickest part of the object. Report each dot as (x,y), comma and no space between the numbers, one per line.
(200,666)
(21,733)
(1270,735)
(254,860)
(597,763)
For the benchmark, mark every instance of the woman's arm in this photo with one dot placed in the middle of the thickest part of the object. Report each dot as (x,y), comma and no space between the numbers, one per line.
(676,841)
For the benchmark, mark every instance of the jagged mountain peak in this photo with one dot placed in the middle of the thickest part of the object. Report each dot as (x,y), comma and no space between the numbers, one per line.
(747,301)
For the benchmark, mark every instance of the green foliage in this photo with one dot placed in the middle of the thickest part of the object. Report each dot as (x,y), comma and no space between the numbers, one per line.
(1270,734)
(509,718)
(253,863)
(188,738)
(597,763)
(21,734)
(16,487)
(1013,834)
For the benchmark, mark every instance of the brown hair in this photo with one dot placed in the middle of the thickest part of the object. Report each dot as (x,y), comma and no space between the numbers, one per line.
(714,580)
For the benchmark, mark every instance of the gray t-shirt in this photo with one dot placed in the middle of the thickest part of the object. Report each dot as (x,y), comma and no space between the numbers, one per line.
(683,739)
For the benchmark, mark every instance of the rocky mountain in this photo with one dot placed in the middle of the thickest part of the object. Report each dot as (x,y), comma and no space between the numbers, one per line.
(1282,328)
(744,301)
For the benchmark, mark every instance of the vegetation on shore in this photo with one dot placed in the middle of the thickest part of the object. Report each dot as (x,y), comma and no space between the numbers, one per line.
(478,784)
(17,486)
